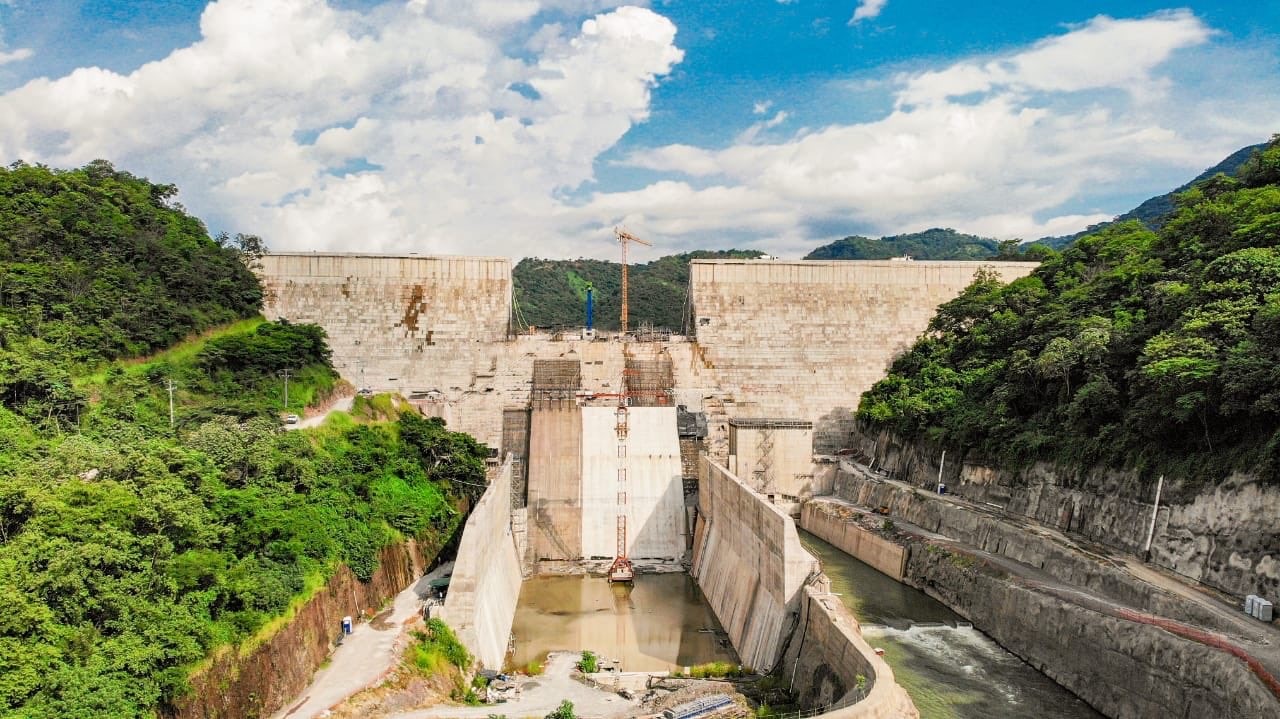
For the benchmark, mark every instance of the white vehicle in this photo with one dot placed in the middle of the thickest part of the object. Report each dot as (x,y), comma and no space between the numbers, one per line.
(291,419)
(365,392)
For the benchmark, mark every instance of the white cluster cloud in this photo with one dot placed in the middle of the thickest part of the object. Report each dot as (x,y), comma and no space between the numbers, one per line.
(413,127)
(992,146)
(867,10)
(455,126)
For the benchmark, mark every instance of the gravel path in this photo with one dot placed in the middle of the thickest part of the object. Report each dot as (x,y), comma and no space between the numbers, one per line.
(366,655)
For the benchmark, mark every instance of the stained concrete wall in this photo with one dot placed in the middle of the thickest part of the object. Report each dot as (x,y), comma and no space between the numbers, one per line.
(750,564)
(411,324)
(484,589)
(805,339)
(555,480)
(887,557)
(650,456)
(828,655)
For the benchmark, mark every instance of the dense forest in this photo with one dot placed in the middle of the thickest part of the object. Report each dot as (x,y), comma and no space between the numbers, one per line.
(133,542)
(1154,211)
(933,244)
(553,293)
(1155,349)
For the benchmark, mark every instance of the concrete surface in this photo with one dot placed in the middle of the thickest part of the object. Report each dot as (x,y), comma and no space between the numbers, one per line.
(554,521)
(484,589)
(650,457)
(773,457)
(750,564)
(365,656)
(804,339)
(827,656)
(540,696)
(886,556)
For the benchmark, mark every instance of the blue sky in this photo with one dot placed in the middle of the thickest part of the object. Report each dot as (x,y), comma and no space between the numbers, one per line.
(777,125)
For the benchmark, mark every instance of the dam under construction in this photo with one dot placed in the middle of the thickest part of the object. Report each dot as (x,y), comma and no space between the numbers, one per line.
(726,470)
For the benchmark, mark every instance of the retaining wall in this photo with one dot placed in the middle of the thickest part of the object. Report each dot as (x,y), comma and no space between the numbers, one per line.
(886,556)
(481,604)
(828,655)
(1222,533)
(749,562)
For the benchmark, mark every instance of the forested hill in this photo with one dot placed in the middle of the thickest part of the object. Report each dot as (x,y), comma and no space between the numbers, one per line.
(1155,349)
(1154,211)
(553,293)
(934,244)
(134,543)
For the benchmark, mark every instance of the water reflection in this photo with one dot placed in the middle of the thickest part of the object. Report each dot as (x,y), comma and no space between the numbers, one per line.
(663,622)
(951,670)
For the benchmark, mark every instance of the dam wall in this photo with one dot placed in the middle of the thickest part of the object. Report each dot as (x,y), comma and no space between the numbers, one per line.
(413,325)
(804,339)
(645,466)
(749,562)
(555,480)
(830,664)
(485,586)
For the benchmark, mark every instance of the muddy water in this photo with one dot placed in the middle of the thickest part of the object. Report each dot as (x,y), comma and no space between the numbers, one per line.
(950,669)
(662,622)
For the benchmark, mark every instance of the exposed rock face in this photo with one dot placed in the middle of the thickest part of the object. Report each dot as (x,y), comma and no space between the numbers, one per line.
(1225,535)
(1126,670)
(259,682)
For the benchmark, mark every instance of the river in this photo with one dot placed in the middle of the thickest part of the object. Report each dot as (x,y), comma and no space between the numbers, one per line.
(950,669)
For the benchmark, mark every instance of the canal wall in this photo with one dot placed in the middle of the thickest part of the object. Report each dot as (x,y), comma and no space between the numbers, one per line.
(484,589)
(1222,533)
(1006,538)
(750,565)
(1125,669)
(1128,648)
(866,546)
(829,663)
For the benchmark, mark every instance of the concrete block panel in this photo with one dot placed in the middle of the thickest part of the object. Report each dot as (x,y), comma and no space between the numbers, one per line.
(805,339)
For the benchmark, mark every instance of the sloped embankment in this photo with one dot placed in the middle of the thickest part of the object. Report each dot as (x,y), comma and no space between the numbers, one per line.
(259,682)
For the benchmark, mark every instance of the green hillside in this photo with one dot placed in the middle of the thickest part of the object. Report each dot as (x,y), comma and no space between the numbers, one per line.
(132,548)
(933,244)
(552,293)
(1154,211)
(1132,348)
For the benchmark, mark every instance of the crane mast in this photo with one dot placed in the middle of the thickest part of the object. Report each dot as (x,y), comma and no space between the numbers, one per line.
(623,238)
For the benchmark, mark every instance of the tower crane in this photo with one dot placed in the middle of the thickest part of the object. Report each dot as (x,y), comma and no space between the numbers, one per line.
(623,238)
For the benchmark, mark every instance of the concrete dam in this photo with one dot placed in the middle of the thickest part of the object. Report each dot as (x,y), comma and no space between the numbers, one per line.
(701,456)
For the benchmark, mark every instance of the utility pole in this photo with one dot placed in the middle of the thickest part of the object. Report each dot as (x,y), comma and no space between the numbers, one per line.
(1155,511)
(169,385)
(285,373)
